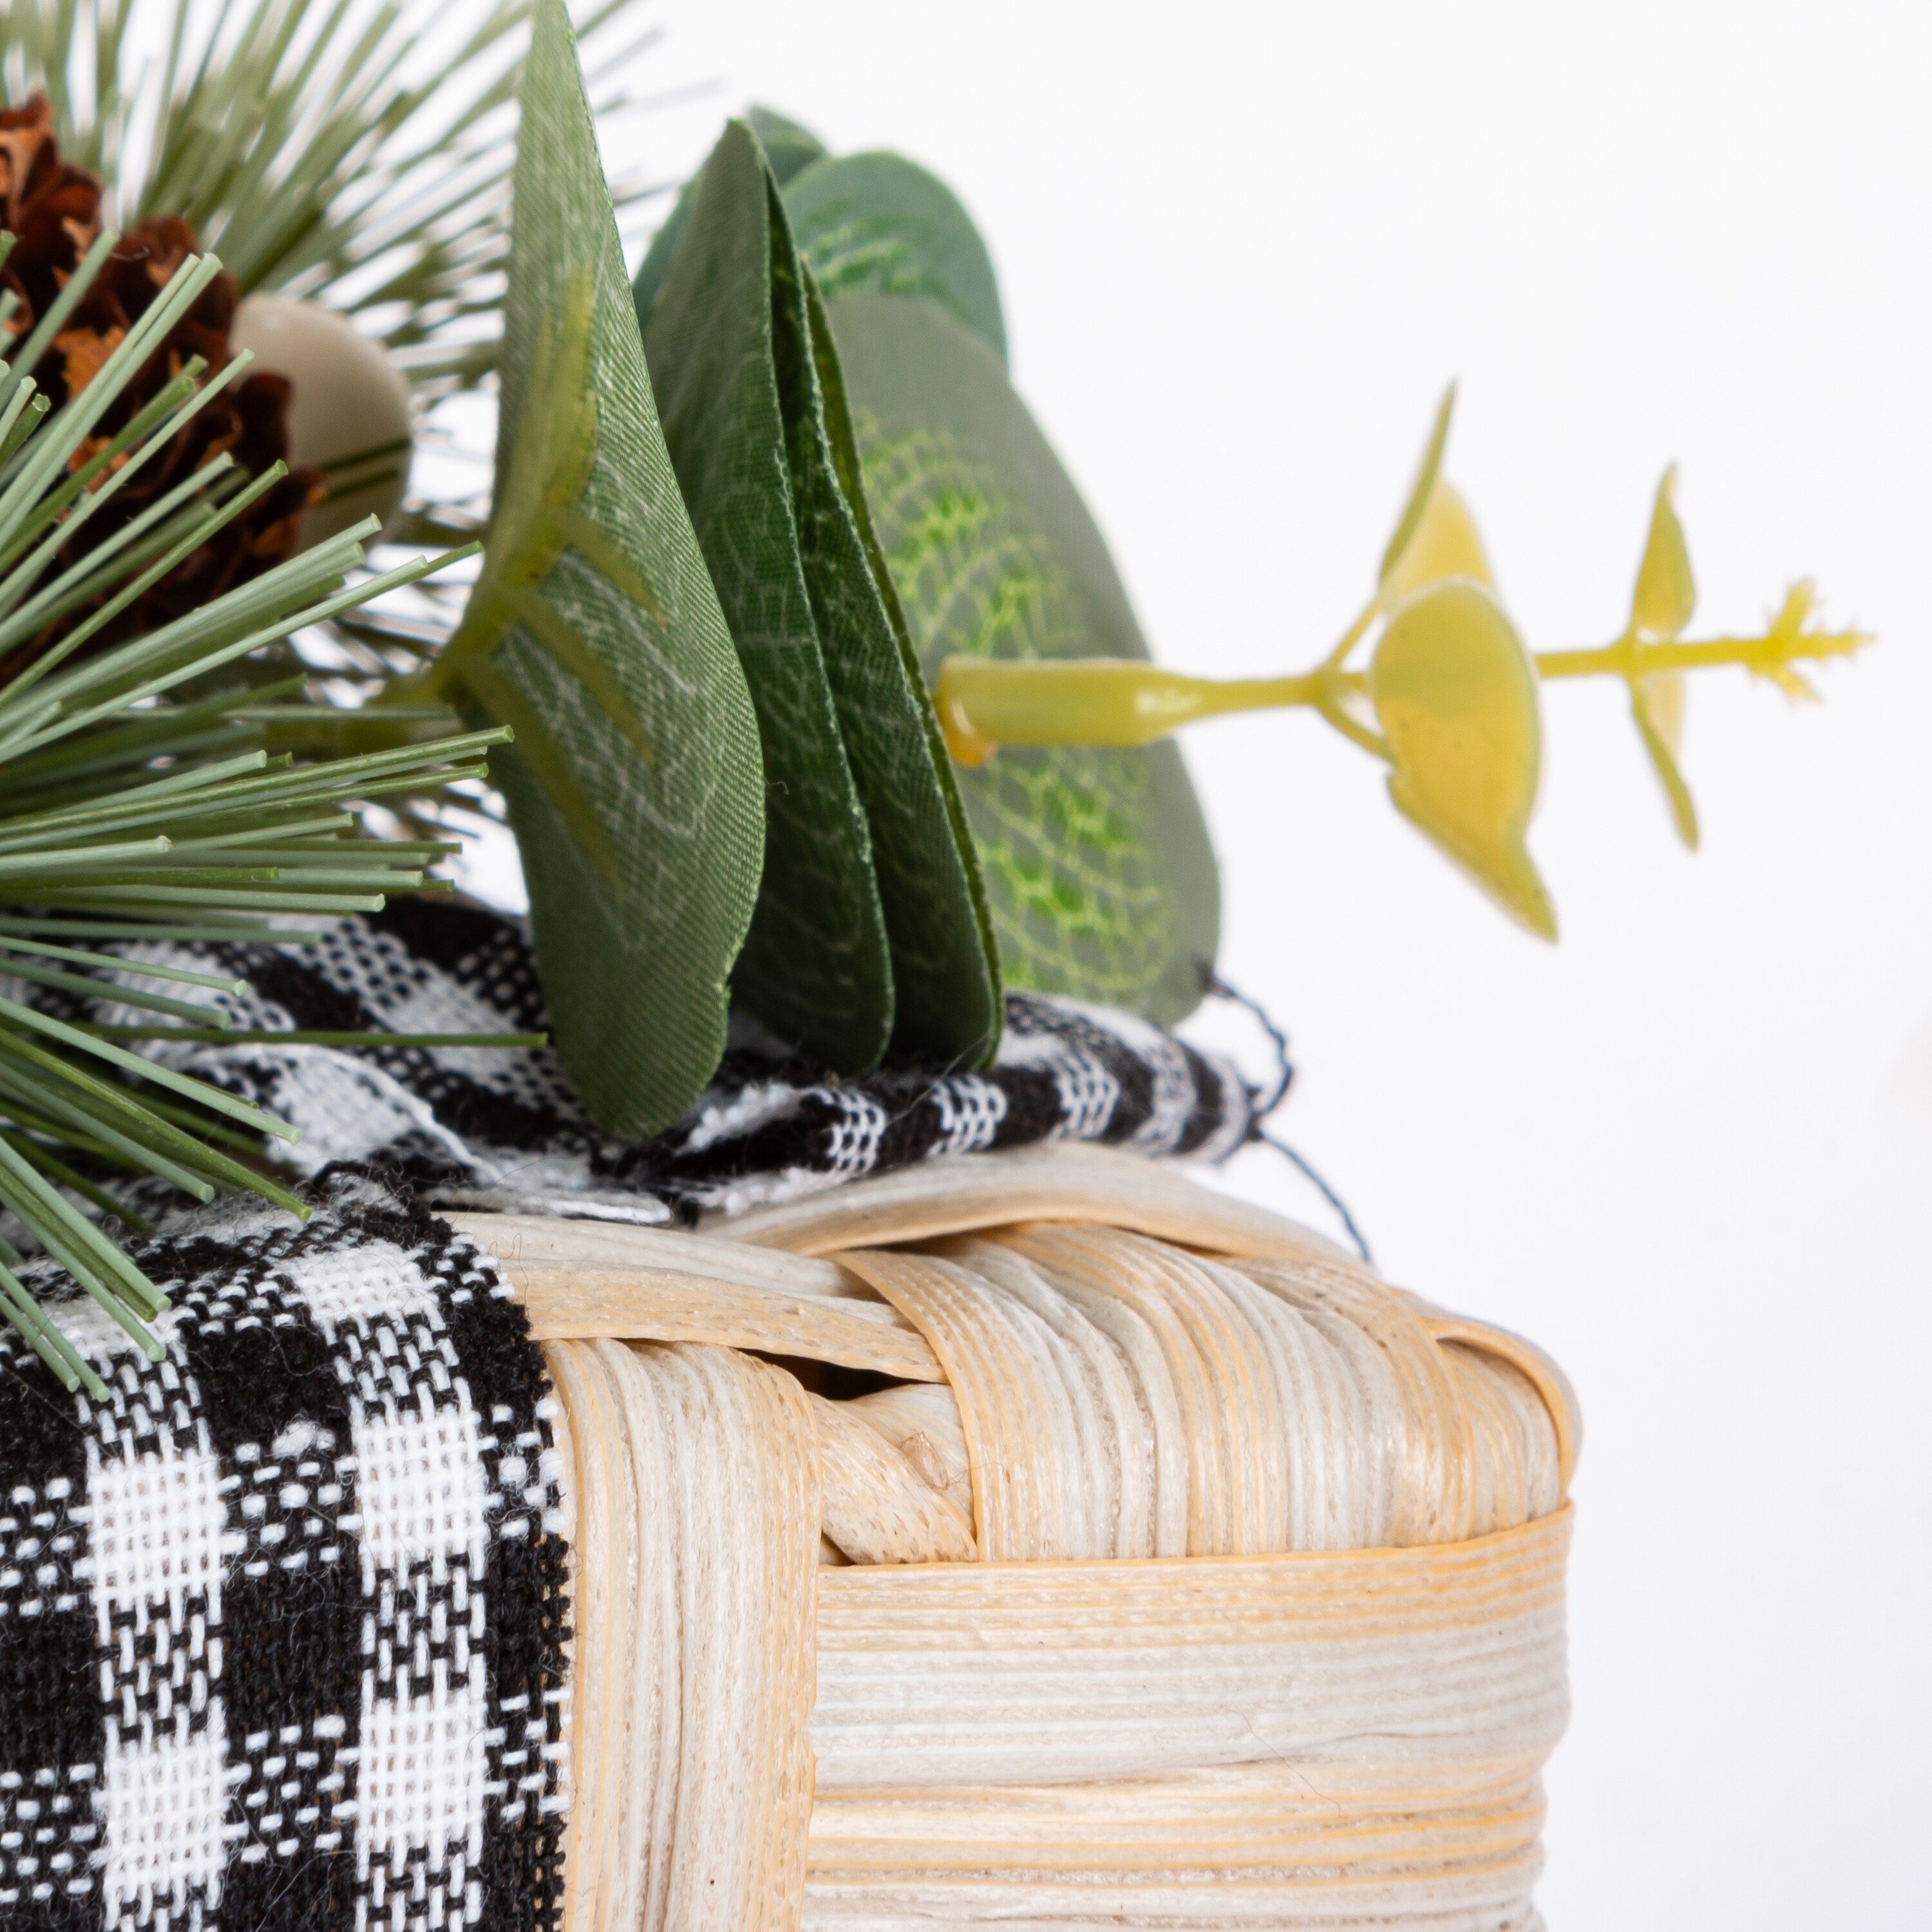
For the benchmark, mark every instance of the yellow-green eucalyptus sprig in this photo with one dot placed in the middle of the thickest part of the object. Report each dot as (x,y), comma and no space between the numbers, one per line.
(1449,699)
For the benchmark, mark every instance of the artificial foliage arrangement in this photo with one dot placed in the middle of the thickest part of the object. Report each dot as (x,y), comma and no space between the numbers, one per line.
(138,807)
(885,526)
(355,185)
(796,1451)
(326,153)
(53,210)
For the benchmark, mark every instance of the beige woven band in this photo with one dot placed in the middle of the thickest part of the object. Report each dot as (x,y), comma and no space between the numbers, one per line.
(1293,1740)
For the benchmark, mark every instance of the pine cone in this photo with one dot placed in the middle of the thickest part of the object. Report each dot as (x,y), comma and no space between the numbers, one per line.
(53,209)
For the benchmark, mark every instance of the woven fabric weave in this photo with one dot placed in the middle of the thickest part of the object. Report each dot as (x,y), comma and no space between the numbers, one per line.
(282,1622)
(461,1127)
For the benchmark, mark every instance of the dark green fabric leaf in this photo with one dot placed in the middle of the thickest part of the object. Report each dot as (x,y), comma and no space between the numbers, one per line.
(635,785)
(816,968)
(879,221)
(945,965)
(1102,879)
(659,256)
(787,146)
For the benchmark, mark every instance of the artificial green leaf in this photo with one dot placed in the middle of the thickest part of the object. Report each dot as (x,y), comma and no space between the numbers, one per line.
(865,857)
(787,146)
(1456,695)
(945,959)
(880,222)
(815,969)
(1099,872)
(635,788)
(659,257)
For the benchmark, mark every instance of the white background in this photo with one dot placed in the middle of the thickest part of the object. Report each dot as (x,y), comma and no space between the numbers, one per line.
(1242,248)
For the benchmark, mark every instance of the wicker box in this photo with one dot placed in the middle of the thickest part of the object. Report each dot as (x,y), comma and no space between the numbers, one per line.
(1044,1540)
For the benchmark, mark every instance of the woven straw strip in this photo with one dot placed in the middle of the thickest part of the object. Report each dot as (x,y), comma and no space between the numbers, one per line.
(1450,1655)
(1260,1845)
(1518,1473)
(698,1511)
(879,1507)
(1061,1181)
(1295,1404)
(1012,1404)
(922,1420)
(1552,1385)
(1237,1503)
(1434,1473)
(1141,1296)
(597,1498)
(584,1280)
(1112,1414)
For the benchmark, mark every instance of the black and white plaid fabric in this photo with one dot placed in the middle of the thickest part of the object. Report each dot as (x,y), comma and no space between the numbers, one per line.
(488,1129)
(282,1623)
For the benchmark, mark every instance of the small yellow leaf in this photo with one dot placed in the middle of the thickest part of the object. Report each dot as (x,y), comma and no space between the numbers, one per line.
(1420,491)
(1456,694)
(1664,695)
(1657,703)
(1446,543)
(1667,593)
(1795,684)
(1794,613)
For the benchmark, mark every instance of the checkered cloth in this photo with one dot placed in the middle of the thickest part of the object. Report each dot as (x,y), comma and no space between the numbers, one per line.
(281,1623)
(463,1127)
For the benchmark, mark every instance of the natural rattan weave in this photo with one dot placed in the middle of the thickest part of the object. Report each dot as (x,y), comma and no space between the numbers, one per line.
(1182,1574)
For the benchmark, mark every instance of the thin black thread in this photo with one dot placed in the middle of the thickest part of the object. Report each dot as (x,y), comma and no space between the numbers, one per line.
(1214,985)
(1326,1192)
(1219,988)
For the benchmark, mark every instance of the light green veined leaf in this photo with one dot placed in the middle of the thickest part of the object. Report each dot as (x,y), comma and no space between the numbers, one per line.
(879,221)
(1099,872)
(635,788)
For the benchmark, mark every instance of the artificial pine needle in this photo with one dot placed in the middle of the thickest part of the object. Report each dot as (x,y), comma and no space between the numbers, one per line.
(322,151)
(130,817)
